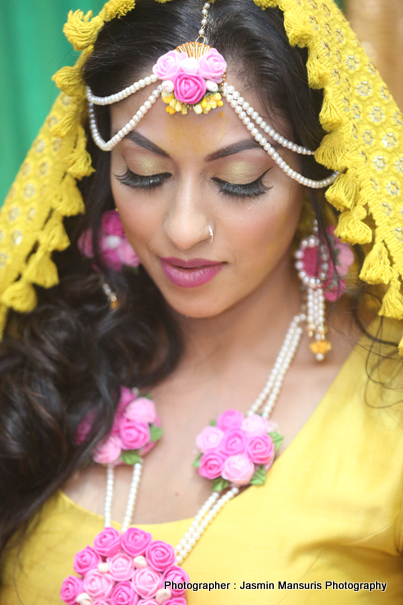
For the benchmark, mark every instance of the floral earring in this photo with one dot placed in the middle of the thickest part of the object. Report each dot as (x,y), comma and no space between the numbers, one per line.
(328,285)
(115,249)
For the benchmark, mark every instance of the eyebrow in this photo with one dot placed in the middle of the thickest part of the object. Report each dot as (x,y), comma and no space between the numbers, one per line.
(244,145)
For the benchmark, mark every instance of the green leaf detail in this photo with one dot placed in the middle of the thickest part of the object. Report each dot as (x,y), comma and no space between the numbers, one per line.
(213,422)
(219,484)
(259,476)
(155,433)
(130,457)
(196,463)
(277,439)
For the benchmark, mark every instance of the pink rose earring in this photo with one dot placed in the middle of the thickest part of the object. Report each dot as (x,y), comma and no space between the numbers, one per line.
(325,286)
(115,249)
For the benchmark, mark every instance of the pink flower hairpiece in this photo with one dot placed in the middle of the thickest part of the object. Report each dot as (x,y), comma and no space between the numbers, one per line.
(114,247)
(191,76)
(237,449)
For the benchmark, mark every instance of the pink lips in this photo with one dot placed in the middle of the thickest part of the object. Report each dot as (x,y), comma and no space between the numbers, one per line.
(192,273)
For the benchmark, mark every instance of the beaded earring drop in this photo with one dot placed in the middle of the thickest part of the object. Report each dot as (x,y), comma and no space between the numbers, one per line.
(327,285)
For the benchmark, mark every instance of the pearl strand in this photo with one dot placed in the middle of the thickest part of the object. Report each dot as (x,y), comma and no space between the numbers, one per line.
(239,105)
(183,549)
(277,365)
(123,94)
(108,146)
(137,469)
(205,10)
(109,494)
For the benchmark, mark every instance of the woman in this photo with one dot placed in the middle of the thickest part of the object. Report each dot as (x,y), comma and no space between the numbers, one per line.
(125,307)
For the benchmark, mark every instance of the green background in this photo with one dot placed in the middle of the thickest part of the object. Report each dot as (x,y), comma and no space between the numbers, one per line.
(32,49)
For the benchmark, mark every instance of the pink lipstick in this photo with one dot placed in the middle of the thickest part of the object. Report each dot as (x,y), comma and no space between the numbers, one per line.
(192,273)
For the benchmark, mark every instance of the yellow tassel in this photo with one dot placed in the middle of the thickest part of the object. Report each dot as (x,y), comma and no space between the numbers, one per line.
(392,304)
(80,30)
(344,191)
(54,236)
(299,31)
(68,200)
(70,81)
(41,270)
(376,268)
(351,228)
(331,150)
(116,8)
(20,296)
(401,347)
(80,159)
(331,117)
(318,75)
(69,120)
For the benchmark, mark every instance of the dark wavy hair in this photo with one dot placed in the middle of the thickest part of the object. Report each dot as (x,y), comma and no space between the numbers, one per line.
(71,354)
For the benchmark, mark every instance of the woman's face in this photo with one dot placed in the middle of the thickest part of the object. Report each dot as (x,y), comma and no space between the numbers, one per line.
(175,175)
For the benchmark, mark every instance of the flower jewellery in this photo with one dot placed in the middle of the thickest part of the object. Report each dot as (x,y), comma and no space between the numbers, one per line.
(194,78)
(130,567)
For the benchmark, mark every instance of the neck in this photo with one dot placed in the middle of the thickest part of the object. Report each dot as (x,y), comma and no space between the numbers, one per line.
(256,324)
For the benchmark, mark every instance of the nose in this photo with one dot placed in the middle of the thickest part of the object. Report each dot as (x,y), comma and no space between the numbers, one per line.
(186,222)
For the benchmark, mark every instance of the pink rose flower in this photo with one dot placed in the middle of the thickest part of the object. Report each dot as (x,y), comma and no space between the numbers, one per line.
(230,419)
(127,255)
(178,576)
(111,223)
(189,88)
(141,410)
(272,427)
(110,256)
(134,435)
(107,542)
(109,451)
(234,442)
(211,465)
(149,602)
(124,594)
(136,541)
(238,469)
(209,438)
(121,566)
(260,449)
(85,560)
(176,601)
(168,65)
(71,588)
(212,65)
(101,602)
(160,555)
(146,582)
(98,585)
(255,425)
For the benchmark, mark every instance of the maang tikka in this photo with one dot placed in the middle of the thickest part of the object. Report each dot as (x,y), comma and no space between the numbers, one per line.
(193,77)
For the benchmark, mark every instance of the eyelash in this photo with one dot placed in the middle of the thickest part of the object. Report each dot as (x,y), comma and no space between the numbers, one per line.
(233,190)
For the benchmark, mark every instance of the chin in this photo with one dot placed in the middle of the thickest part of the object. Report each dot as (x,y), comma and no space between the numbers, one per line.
(197,309)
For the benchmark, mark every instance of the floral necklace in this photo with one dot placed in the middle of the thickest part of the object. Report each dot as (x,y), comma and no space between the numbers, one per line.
(237,450)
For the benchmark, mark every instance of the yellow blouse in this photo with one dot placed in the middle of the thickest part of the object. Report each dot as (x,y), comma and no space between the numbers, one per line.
(330,511)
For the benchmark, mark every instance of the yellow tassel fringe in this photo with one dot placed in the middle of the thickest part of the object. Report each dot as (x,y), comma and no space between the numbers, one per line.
(318,76)
(80,159)
(376,268)
(116,8)
(67,200)
(20,296)
(54,236)
(41,270)
(352,229)
(70,81)
(392,304)
(330,116)
(344,191)
(80,30)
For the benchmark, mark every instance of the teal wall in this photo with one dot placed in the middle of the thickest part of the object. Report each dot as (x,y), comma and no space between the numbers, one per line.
(32,49)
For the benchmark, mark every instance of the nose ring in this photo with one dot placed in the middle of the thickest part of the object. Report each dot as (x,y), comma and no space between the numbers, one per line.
(211,234)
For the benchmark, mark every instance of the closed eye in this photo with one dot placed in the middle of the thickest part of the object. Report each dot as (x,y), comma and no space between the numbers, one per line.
(247,190)
(138,181)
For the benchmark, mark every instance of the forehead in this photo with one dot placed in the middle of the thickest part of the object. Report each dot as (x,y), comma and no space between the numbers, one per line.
(190,135)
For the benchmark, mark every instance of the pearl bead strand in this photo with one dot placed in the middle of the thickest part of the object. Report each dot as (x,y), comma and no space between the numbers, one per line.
(123,94)
(240,105)
(137,469)
(108,146)
(110,476)
(205,10)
